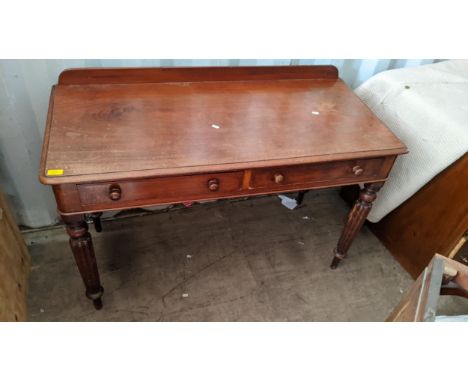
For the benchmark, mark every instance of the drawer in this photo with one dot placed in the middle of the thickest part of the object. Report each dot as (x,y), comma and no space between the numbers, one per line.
(320,174)
(159,190)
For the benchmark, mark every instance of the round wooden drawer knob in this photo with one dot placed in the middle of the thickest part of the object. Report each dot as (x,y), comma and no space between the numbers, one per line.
(213,184)
(358,170)
(279,178)
(115,193)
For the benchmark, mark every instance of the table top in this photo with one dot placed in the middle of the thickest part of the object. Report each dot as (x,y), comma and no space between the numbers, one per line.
(102,129)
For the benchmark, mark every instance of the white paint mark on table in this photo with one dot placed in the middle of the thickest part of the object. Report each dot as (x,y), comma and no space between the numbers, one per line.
(316,112)
(215,126)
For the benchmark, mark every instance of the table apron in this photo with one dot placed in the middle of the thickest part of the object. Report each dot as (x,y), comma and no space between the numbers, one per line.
(125,194)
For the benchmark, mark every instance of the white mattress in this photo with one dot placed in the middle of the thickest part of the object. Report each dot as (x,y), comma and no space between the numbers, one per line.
(427,108)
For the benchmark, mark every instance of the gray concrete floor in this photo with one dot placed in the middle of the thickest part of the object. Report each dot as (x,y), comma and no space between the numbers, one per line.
(237,260)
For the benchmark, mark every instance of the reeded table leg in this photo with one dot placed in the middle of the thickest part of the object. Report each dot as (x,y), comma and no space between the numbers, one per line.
(356,219)
(82,248)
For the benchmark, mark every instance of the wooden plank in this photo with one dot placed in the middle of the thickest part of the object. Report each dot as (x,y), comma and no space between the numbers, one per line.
(14,267)
(194,74)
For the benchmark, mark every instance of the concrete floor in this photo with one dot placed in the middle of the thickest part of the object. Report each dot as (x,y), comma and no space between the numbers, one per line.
(238,260)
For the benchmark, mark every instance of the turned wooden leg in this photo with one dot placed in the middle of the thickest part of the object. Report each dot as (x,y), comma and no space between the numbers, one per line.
(356,219)
(82,248)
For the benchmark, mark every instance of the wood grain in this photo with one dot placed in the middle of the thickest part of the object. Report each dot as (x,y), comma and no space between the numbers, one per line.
(14,267)
(161,190)
(316,173)
(95,197)
(194,74)
(104,132)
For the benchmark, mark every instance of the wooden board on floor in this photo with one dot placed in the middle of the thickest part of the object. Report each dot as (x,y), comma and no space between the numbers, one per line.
(14,267)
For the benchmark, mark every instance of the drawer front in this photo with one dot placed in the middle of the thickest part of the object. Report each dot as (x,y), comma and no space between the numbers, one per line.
(159,190)
(320,174)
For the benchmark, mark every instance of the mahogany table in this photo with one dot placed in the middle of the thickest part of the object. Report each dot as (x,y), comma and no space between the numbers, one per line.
(135,137)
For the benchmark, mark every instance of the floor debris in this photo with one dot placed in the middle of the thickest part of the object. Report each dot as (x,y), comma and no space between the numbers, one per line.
(288,202)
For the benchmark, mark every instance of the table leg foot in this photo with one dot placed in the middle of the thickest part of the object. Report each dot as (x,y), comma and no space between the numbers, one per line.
(336,260)
(96,297)
(82,247)
(98,303)
(356,219)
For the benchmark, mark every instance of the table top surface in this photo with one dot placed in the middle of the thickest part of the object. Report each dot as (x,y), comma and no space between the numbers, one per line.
(102,131)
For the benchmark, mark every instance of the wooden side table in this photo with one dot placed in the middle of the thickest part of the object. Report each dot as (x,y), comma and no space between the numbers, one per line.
(126,138)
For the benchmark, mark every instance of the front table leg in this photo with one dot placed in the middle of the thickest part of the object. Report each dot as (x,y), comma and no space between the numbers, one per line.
(82,248)
(356,219)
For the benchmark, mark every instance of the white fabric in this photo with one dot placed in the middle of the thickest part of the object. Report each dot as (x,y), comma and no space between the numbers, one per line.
(427,108)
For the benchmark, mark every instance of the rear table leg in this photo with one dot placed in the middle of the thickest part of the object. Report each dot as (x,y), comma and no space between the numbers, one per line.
(300,196)
(95,218)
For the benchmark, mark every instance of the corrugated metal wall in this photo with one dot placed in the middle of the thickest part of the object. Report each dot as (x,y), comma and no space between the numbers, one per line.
(24,97)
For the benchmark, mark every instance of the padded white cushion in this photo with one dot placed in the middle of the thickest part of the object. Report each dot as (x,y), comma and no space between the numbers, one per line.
(427,108)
